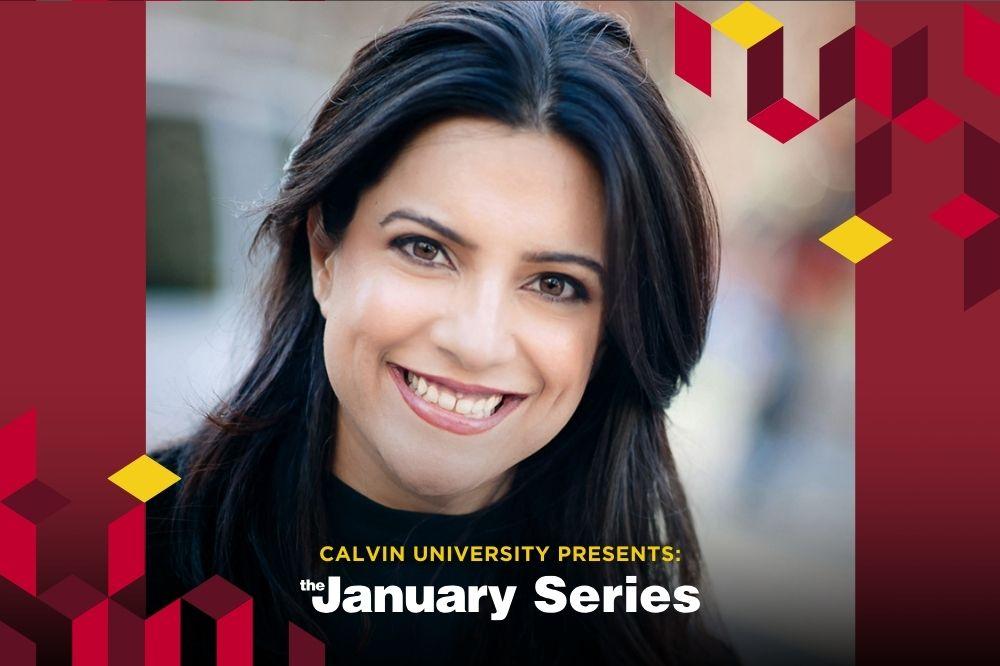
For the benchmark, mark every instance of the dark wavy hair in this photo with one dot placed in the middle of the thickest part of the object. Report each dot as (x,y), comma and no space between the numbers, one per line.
(254,475)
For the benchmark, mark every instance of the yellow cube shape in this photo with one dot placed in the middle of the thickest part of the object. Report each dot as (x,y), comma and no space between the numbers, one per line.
(747,24)
(144,478)
(855,239)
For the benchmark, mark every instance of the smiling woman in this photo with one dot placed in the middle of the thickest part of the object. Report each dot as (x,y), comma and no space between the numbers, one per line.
(496,258)
(455,272)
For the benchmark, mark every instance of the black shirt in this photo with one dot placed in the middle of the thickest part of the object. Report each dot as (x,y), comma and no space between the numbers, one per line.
(355,520)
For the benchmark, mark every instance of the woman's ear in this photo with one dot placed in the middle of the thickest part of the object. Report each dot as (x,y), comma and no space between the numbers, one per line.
(320,256)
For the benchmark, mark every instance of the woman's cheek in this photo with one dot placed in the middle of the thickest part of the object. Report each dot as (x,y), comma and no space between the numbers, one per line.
(389,304)
(562,349)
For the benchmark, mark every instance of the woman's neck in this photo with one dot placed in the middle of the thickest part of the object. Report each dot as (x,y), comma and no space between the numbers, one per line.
(357,464)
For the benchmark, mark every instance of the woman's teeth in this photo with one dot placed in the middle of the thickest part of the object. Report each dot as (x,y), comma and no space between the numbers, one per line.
(477,407)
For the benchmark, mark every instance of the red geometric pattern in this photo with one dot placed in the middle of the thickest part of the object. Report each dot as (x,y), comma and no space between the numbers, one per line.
(872,165)
(767,107)
(126,554)
(964,216)
(889,74)
(837,73)
(927,315)
(979,229)
(219,613)
(17,650)
(873,69)
(765,72)
(21,514)
(163,636)
(25,504)
(304,648)
(909,72)
(981,48)
(73,621)
(783,120)
(927,120)
(85,611)
(891,79)
(35,501)
(972,215)
(693,49)
(19,556)
(17,441)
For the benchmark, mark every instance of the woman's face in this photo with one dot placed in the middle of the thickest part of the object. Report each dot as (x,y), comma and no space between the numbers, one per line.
(463,312)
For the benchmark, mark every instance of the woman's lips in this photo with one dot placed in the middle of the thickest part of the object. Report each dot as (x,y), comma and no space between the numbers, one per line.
(447,419)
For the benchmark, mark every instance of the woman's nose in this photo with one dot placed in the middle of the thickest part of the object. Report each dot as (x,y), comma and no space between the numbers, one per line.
(475,329)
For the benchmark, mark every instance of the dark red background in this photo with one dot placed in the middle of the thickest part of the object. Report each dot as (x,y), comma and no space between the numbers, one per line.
(72,259)
(72,270)
(928,387)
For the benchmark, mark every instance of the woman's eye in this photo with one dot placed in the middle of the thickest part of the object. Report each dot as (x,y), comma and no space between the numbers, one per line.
(559,288)
(552,285)
(424,250)
(421,249)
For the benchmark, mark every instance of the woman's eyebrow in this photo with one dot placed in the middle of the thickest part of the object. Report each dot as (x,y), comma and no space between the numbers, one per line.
(430,223)
(565,257)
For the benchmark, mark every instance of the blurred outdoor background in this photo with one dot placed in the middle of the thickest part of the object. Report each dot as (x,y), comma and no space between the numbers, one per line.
(764,437)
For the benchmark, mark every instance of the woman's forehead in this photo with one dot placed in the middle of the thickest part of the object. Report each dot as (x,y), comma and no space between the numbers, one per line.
(486,178)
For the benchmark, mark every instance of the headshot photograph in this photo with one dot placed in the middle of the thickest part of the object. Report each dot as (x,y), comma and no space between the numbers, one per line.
(499,332)
(481,274)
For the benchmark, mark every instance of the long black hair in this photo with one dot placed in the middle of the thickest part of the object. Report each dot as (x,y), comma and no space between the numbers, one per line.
(254,475)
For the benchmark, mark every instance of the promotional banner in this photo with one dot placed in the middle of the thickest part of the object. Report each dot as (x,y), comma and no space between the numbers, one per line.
(499,333)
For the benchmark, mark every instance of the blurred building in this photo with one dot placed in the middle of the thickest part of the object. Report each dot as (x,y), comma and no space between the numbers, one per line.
(764,437)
